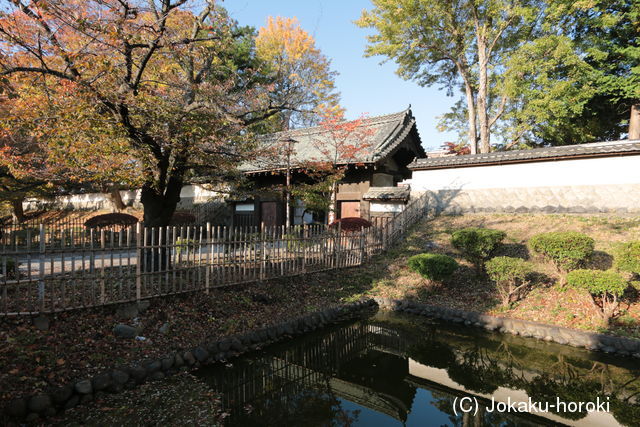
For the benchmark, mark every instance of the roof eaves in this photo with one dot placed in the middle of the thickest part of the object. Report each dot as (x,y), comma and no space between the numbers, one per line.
(613,148)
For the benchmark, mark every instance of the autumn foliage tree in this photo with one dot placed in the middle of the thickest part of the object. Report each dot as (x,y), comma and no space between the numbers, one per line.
(37,161)
(166,85)
(457,149)
(21,176)
(342,144)
(302,75)
(303,80)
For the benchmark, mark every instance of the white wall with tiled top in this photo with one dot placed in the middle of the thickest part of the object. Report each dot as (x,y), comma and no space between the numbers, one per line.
(580,185)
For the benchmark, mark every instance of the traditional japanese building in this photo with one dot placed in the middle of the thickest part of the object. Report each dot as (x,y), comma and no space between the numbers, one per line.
(368,190)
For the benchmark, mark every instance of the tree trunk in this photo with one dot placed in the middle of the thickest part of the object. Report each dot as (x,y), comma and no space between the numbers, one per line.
(17,211)
(116,199)
(158,208)
(472,137)
(634,122)
(159,205)
(333,205)
(483,89)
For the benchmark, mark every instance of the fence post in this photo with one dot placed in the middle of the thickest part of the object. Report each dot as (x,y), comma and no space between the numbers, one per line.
(384,232)
(305,241)
(207,272)
(263,252)
(362,245)
(139,261)
(41,290)
(102,272)
(337,246)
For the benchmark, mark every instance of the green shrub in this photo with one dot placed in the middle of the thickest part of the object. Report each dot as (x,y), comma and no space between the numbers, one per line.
(627,257)
(510,276)
(185,245)
(604,287)
(568,250)
(9,267)
(297,242)
(434,267)
(477,244)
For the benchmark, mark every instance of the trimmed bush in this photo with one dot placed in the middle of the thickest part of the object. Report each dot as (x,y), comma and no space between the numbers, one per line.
(436,267)
(604,287)
(477,244)
(568,250)
(182,218)
(111,219)
(9,266)
(350,224)
(627,257)
(510,276)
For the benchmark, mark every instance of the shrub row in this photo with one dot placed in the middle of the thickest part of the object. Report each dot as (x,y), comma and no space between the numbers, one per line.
(566,250)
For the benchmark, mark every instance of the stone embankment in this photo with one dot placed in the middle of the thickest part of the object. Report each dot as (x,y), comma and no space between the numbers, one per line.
(573,337)
(116,380)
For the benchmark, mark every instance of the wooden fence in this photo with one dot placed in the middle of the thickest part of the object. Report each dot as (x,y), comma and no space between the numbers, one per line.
(58,271)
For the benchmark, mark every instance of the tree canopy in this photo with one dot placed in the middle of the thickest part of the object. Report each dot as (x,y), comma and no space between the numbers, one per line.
(168,89)
(302,75)
(527,68)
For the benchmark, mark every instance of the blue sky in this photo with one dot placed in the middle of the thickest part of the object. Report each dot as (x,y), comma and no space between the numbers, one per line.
(365,85)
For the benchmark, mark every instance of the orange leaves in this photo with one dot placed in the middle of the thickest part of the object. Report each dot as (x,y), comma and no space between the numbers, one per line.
(344,142)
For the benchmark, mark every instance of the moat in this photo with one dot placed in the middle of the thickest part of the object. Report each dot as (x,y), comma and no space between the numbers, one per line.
(396,369)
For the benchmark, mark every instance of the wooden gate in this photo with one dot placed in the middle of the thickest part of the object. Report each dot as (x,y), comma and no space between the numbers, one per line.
(269,214)
(350,209)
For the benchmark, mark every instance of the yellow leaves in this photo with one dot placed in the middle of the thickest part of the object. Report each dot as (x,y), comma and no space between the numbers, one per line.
(297,64)
(282,38)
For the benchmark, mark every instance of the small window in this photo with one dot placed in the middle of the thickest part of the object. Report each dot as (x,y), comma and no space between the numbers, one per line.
(245,207)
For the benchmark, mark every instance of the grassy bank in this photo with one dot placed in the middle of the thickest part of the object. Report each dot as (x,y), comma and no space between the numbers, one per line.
(549,302)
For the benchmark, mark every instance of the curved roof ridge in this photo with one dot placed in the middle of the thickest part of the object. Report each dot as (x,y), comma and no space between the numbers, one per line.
(318,128)
(387,133)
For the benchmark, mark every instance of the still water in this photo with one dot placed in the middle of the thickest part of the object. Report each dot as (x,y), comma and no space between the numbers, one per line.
(396,369)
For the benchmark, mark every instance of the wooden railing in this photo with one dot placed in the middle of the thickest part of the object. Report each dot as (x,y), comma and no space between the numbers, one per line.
(58,271)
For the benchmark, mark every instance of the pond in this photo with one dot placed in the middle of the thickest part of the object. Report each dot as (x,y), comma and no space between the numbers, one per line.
(397,369)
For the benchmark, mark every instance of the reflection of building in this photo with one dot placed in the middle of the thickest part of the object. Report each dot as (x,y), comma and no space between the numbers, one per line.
(386,369)
(341,364)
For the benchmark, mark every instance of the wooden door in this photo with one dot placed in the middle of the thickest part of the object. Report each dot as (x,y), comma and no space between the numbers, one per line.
(350,209)
(269,213)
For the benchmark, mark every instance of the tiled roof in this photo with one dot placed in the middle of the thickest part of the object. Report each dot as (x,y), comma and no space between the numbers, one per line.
(387,132)
(599,149)
(387,193)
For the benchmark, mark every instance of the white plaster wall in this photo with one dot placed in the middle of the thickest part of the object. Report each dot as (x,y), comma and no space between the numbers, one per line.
(609,184)
(189,195)
(386,207)
(559,173)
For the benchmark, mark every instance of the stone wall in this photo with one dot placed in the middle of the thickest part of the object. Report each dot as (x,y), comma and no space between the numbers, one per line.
(589,185)
(566,336)
(83,390)
(619,199)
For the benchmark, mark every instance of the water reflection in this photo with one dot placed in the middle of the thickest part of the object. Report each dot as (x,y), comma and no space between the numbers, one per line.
(396,369)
